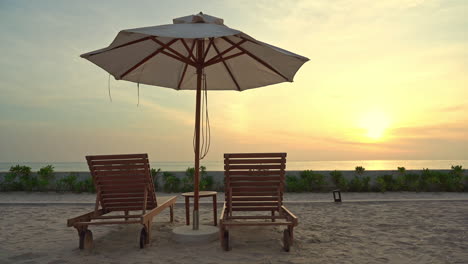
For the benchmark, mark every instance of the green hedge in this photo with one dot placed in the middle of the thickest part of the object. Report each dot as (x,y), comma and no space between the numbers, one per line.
(20,178)
(427,181)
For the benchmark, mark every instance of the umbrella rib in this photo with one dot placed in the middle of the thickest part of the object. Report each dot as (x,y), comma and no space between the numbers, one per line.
(227,68)
(207,49)
(177,55)
(147,58)
(257,59)
(178,58)
(225,58)
(121,46)
(190,51)
(226,51)
(182,78)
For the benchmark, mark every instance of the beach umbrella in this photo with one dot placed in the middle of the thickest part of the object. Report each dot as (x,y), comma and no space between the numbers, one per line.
(196,52)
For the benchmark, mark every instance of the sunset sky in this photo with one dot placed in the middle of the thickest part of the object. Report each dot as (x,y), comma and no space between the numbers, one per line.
(385,80)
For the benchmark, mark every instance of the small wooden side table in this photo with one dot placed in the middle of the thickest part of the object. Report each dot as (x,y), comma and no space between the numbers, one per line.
(201,194)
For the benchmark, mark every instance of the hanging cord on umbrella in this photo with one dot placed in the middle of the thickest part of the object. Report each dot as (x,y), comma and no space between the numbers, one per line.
(206,133)
(205,123)
(138,93)
(108,87)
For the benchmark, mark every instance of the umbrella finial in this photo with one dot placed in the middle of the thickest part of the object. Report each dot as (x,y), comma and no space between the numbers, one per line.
(198,18)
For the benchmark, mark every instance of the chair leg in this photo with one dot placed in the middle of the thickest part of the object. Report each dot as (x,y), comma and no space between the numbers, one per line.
(215,210)
(273,214)
(85,237)
(148,238)
(171,212)
(291,234)
(187,210)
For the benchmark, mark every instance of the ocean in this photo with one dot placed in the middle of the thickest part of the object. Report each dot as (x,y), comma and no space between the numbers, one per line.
(291,165)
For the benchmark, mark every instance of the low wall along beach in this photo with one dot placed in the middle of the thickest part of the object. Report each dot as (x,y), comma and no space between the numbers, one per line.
(296,181)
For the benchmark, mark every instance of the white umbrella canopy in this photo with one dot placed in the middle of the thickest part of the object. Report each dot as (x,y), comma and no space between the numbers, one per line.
(196,47)
(234,60)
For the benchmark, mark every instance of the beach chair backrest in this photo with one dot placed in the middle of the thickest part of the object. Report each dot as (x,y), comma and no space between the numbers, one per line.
(254,181)
(122,182)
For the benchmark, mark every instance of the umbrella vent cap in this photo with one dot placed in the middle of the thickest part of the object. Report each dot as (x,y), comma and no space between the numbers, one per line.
(198,18)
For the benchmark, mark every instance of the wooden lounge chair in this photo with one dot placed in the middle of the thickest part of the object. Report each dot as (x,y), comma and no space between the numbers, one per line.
(254,183)
(123,184)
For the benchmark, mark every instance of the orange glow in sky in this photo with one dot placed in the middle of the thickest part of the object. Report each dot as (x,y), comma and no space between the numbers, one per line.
(385,80)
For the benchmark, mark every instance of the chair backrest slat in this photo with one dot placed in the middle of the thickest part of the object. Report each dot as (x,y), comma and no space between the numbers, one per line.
(121,181)
(254,181)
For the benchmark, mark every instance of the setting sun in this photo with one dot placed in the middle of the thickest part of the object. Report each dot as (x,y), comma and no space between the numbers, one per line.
(375,123)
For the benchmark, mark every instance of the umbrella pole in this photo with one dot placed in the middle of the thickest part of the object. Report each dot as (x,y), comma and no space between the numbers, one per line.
(197,134)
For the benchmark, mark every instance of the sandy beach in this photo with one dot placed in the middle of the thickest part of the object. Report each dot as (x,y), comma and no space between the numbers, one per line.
(365,228)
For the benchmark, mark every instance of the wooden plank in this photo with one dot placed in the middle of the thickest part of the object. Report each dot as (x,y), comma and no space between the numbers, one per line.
(254,167)
(254,203)
(122,195)
(255,184)
(84,217)
(229,223)
(256,198)
(119,162)
(254,173)
(254,161)
(114,204)
(254,155)
(255,178)
(117,216)
(255,208)
(169,202)
(222,216)
(128,188)
(128,168)
(123,208)
(122,173)
(273,194)
(291,215)
(116,156)
(260,189)
(254,194)
(123,200)
(108,223)
(253,217)
(116,181)
(268,217)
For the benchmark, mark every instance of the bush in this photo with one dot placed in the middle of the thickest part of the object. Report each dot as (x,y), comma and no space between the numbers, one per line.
(19,179)
(68,183)
(401,170)
(366,184)
(355,185)
(88,185)
(312,181)
(385,183)
(306,182)
(339,181)
(293,184)
(45,177)
(171,182)
(359,170)
(359,183)
(206,181)
(455,181)
(10,183)
(154,175)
